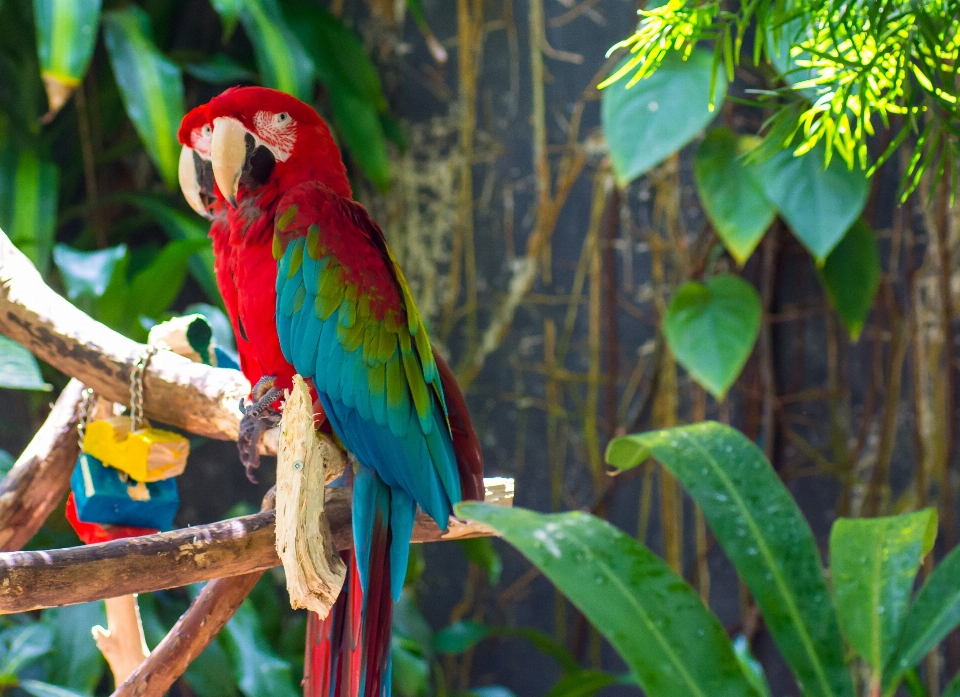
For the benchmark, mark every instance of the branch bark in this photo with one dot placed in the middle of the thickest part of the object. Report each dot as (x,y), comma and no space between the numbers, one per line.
(35,580)
(178,392)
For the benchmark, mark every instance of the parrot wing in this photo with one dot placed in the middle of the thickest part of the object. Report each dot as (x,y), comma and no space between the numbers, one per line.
(346,319)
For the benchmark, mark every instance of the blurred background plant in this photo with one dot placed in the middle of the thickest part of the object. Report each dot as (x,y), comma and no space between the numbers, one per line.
(572,248)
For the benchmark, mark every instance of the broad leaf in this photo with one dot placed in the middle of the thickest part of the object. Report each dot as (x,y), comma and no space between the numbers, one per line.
(358,122)
(66,34)
(411,670)
(229,11)
(731,192)
(851,276)
(78,663)
(583,683)
(87,273)
(38,688)
(818,204)
(480,551)
(460,636)
(872,566)
(18,368)
(751,666)
(210,675)
(935,612)
(953,687)
(259,672)
(763,533)
(220,70)
(489,691)
(657,622)
(23,644)
(660,114)
(711,329)
(151,86)
(283,63)
(155,288)
(28,201)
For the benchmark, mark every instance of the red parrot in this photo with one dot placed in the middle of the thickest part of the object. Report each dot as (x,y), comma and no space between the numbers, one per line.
(311,287)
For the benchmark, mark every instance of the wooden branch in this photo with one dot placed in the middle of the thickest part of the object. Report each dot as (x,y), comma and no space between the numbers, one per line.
(122,643)
(41,477)
(34,580)
(196,628)
(178,392)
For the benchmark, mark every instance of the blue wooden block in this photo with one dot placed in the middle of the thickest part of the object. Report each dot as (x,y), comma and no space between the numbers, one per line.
(103,496)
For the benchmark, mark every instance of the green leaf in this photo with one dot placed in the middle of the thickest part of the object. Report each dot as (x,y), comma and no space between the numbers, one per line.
(411,671)
(155,288)
(28,201)
(480,551)
(259,672)
(460,636)
(151,86)
(358,122)
(657,622)
(583,683)
(763,533)
(731,192)
(220,70)
(78,663)
(818,204)
(779,49)
(18,368)
(872,566)
(229,11)
(953,687)
(7,461)
(660,114)
(712,328)
(210,674)
(87,273)
(66,34)
(935,612)
(489,691)
(23,644)
(43,689)
(751,666)
(851,276)
(283,63)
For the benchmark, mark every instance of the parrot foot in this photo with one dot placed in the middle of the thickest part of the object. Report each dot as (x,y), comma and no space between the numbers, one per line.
(258,416)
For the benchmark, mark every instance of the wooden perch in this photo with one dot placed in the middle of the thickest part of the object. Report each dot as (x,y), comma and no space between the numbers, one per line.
(34,580)
(122,643)
(178,392)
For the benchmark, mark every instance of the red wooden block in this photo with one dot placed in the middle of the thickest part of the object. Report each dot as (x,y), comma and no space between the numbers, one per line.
(92,533)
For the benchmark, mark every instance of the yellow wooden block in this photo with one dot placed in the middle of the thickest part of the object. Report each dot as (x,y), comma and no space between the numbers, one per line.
(147,455)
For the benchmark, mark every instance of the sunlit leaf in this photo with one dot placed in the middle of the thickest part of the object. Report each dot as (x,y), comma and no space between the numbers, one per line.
(851,276)
(731,192)
(818,204)
(18,368)
(29,186)
(87,272)
(711,329)
(151,86)
(656,622)
(873,563)
(660,114)
(283,63)
(761,529)
(66,34)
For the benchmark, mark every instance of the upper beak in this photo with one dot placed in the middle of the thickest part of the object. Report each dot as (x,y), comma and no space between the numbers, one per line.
(228,152)
(189,182)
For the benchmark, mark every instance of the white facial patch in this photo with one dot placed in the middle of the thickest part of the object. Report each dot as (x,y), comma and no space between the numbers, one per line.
(200,139)
(277,131)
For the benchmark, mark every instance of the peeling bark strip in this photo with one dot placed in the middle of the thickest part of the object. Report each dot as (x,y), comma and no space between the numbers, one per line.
(178,392)
(35,580)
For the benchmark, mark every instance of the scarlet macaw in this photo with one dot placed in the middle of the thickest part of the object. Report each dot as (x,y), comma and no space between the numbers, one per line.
(311,288)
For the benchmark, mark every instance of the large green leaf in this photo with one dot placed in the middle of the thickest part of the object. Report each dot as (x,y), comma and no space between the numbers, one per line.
(872,566)
(283,63)
(18,368)
(935,612)
(411,669)
(38,688)
(818,204)
(66,34)
(358,122)
(259,672)
(731,192)
(210,674)
(151,86)
(660,114)
(711,329)
(154,288)
(23,644)
(657,622)
(851,276)
(78,663)
(28,201)
(583,683)
(87,273)
(229,11)
(763,533)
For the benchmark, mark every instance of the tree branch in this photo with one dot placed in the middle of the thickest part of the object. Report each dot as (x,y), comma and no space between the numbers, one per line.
(34,580)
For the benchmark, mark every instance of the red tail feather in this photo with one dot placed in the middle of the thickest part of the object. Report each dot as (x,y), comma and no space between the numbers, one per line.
(466,446)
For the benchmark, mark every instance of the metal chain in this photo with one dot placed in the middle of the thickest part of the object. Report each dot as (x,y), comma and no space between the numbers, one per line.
(136,387)
(86,409)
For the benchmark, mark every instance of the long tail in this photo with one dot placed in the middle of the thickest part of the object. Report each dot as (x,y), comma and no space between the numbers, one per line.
(466,445)
(348,653)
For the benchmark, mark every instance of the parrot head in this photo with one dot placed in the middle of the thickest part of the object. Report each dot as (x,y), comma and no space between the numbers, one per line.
(262,136)
(195,169)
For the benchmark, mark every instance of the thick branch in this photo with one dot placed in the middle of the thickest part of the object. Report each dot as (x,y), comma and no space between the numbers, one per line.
(34,580)
(41,477)
(179,392)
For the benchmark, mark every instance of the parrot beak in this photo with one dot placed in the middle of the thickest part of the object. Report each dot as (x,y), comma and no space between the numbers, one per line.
(190,180)
(229,150)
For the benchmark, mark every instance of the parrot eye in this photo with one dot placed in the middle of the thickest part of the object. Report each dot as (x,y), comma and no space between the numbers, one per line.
(206,129)
(281,119)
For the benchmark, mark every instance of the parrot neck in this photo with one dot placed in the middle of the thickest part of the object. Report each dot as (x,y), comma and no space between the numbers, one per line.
(254,213)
